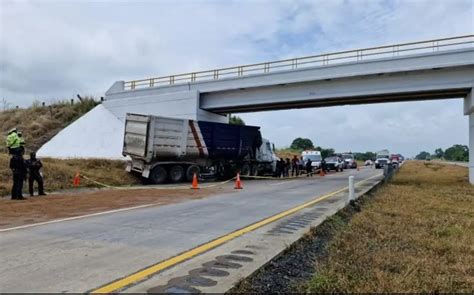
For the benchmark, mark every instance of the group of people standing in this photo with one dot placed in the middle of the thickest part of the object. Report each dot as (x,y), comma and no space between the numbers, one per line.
(21,168)
(296,165)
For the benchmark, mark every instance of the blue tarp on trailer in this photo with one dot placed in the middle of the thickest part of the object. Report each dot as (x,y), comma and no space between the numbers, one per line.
(231,142)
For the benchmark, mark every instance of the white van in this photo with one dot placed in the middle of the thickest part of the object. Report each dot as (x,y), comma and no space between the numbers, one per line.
(314,156)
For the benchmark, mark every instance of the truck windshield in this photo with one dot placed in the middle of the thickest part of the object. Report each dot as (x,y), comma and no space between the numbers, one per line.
(347,157)
(313,158)
(382,157)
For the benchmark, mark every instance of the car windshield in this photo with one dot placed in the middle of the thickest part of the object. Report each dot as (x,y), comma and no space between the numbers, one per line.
(331,159)
(313,158)
(347,157)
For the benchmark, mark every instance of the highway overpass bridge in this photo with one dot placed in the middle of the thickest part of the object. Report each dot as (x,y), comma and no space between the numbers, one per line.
(433,69)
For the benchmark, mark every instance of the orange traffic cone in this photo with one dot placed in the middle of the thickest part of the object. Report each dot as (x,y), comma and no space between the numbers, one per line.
(195,185)
(77,179)
(358,169)
(321,172)
(238,184)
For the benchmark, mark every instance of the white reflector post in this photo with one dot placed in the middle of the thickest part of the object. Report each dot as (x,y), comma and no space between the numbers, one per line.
(351,188)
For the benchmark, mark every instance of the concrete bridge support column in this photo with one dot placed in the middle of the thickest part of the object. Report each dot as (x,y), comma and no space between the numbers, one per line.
(469,111)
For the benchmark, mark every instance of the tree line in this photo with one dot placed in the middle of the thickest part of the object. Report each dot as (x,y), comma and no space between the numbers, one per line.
(301,144)
(457,152)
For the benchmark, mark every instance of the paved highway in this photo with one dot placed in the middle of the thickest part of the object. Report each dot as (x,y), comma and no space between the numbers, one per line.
(84,254)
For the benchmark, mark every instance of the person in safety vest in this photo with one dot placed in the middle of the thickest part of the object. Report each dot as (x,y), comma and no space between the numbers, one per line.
(22,142)
(13,142)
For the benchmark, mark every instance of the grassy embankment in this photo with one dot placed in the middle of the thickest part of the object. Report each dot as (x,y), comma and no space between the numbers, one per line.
(415,235)
(39,124)
(287,153)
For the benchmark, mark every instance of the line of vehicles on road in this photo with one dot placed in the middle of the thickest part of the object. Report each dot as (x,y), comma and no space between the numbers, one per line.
(165,149)
(384,158)
(336,162)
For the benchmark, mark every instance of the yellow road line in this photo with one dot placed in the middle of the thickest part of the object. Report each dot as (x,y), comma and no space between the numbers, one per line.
(143,274)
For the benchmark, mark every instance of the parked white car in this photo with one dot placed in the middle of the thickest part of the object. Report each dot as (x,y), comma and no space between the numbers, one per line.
(314,156)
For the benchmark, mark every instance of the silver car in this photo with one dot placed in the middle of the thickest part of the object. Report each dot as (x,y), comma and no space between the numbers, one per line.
(350,160)
(334,163)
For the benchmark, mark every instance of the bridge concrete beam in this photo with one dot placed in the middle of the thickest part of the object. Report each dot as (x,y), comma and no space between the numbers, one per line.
(418,85)
(371,66)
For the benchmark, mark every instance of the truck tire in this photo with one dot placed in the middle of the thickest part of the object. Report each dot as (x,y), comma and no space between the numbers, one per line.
(245,170)
(190,172)
(176,173)
(254,170)
(158,175)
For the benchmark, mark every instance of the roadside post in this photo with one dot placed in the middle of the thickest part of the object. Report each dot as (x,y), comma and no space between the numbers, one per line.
(351,189)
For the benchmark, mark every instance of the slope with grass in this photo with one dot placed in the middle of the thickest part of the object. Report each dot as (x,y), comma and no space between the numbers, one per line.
(39,124)
(59,174)
(415,235)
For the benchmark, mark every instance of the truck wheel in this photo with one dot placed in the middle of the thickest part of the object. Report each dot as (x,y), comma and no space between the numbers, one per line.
(158,175)
(176,173)
(245,170)
(191,171)
(254,170)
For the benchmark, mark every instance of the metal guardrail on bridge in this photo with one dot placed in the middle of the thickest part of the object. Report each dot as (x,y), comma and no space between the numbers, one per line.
(308,61)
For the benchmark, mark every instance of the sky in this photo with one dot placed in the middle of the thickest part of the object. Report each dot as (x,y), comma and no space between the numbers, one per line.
(53,50)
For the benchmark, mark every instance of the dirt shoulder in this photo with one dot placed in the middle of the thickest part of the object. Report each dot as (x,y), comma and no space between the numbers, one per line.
(414,234)
(39,209)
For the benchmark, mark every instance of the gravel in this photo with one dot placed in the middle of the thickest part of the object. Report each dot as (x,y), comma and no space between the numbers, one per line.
(289,271)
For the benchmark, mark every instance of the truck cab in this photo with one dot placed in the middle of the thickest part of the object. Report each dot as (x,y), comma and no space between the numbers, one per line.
(395,160)
(266,157)
(382,159)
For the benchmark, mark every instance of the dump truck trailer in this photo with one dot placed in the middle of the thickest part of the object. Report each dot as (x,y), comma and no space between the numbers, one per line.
(170,149)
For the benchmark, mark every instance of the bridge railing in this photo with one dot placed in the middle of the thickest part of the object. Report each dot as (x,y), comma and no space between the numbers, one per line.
(308,61)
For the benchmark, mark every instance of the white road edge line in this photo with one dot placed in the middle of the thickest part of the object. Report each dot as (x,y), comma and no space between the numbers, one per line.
(76,217)
(283,182)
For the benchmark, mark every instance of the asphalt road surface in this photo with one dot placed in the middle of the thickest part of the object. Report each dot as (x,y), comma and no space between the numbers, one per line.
(83,254)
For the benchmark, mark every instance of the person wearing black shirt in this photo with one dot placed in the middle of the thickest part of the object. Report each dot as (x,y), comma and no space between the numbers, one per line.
(34,165)
(309,168)
(18,167)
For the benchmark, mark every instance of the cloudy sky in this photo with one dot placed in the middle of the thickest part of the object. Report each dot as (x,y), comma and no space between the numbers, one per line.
(56,49)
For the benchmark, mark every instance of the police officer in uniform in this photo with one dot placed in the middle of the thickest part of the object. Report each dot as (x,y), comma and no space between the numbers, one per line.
(22,142)
(13,142)
(34,165)
(18,167)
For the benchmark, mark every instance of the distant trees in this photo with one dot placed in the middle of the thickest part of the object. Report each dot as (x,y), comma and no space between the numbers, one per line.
(438,153)
(423,156)
(302,144)
(325,152)
(457,152)
(236,120)
(365,156)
